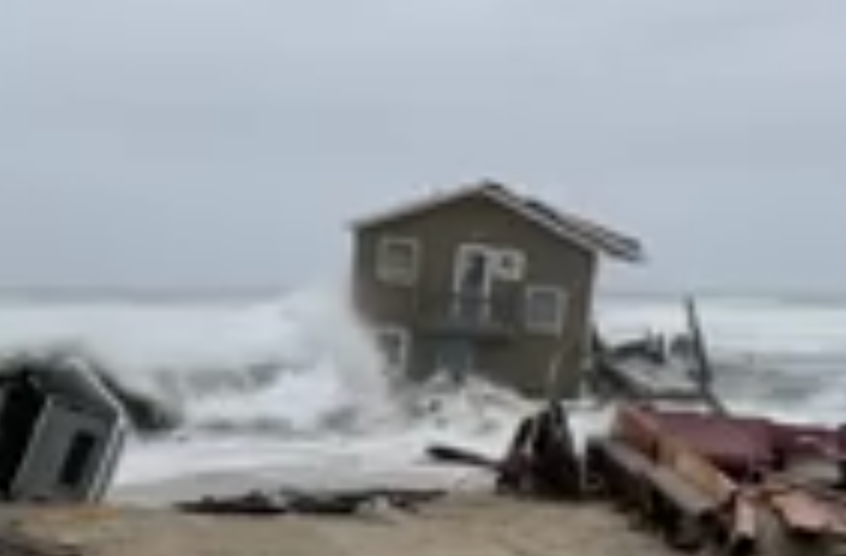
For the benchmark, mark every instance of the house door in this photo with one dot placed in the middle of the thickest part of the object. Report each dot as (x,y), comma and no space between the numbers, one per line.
(473,272)
(454,357)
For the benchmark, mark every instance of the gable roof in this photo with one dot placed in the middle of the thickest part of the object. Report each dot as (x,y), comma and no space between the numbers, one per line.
(588,235)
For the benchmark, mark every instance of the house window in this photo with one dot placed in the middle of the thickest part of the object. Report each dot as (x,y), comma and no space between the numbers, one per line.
(544,309)
(511,265)
(397,260)
(394,344)
(78,459)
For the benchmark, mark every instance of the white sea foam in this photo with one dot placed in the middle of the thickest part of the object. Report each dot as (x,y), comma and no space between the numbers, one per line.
(757,327)
(295,361)
(782,358)
(286,382)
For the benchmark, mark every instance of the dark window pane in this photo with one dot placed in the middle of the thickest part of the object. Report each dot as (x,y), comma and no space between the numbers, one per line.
(78,457)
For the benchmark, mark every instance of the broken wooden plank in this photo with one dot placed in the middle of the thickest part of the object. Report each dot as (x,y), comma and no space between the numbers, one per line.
(620,471)
(703,374)
(455,455)
(687,498)
(803,512)
(622,456)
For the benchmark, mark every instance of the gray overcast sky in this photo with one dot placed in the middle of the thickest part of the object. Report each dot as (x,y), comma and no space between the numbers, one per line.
(228,142)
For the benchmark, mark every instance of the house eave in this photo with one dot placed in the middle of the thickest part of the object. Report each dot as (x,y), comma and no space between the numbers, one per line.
(590,236)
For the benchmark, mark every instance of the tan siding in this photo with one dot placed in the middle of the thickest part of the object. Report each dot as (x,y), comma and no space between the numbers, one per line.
(525,361)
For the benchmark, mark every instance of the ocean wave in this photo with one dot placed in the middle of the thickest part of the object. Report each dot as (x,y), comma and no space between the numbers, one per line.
(749,327)
(302,369)
(297,362)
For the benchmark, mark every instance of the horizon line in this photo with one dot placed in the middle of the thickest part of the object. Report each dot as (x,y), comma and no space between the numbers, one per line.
(222,293)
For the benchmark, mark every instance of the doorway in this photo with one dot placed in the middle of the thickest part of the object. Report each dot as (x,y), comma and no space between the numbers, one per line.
(473,274)
(455,358)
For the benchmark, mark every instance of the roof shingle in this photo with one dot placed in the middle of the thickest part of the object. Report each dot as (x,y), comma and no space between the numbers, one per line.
(589,235)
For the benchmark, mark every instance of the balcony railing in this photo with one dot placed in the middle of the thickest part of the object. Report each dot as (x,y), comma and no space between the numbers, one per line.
(468,314)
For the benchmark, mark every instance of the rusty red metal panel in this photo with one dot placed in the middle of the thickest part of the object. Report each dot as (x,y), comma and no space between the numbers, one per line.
(736,445)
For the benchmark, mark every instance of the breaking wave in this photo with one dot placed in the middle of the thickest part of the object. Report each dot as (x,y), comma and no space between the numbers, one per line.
(773,356)
(769,329)
(249,380)
(300,364)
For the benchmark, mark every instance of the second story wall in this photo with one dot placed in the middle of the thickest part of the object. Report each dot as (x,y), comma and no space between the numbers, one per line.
(438,233)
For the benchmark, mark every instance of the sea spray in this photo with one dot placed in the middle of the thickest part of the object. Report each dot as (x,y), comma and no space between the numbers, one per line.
(749,328)
(286,381)
(298,364)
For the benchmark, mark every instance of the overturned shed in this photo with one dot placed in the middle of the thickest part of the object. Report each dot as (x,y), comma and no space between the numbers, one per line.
(61,432)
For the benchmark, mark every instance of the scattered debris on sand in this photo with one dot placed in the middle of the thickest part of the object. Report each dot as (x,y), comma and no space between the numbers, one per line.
(326,503)
(469,524)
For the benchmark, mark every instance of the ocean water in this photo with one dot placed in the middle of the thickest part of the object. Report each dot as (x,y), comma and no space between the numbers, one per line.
(291,385)
(781,357)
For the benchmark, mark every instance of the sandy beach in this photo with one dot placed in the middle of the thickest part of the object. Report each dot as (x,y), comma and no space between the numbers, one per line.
(465,524)
(471,520)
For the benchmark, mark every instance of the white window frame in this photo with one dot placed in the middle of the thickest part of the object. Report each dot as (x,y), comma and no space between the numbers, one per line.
(557,325)
(389,275)
(519,259)
(404,342)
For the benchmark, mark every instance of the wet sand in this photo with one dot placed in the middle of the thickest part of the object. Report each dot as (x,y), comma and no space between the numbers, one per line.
(461,525)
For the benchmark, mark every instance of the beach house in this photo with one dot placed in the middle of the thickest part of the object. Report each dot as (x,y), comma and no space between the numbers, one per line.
(483,280)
